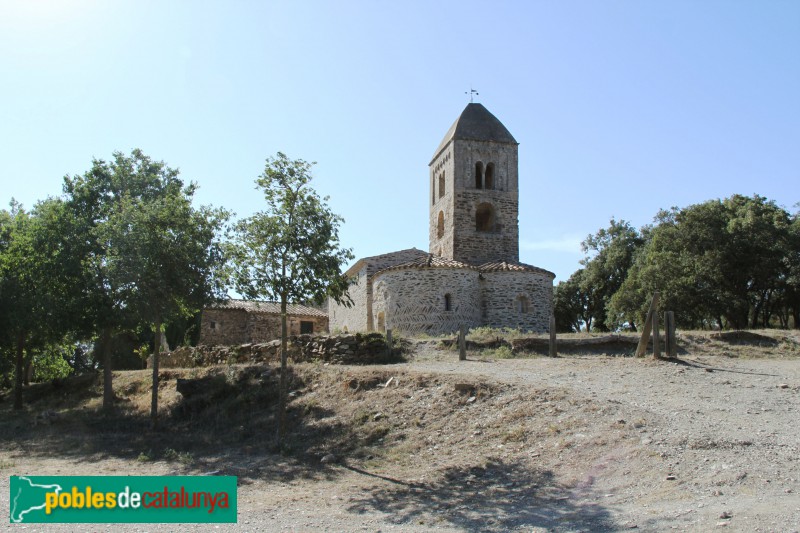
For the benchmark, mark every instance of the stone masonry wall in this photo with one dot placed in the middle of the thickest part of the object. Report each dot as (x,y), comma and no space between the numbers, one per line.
(353,318)
(237,326)
(442,246)
(501,244)
(413,300)
(500,291)
(359,316)
(223,326)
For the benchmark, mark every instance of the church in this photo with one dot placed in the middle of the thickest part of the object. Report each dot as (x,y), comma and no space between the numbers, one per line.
(471,274)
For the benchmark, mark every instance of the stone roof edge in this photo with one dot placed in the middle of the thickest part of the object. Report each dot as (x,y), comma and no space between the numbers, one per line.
(412,266)
(349,272)
(528,268)
(465,266)
(252,306)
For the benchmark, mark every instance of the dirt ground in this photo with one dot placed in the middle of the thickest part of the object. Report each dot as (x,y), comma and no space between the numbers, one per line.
(593,442)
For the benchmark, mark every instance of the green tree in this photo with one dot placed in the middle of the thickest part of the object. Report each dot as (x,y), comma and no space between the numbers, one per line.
(290,252)
(791,301)
(610,254)
(570,304)
(726,262)
(94,201)
(165,258)
(32,288)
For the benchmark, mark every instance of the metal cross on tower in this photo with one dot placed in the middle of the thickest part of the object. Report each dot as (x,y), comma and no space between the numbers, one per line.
(472,92)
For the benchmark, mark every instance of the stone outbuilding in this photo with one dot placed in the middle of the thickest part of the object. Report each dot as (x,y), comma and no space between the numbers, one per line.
(471,274)
(242,322)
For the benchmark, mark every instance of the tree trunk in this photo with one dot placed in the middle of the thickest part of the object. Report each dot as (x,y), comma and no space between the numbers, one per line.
(154,399)
(108,387)
(19,369)
(282,392)
(28,368)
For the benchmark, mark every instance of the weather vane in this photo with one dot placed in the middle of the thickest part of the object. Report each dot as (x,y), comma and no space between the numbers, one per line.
(472,92)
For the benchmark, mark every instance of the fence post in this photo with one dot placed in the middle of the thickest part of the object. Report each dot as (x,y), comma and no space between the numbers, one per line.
(656,343)
(388,342)
(671,347)
(462,343)
(648,324)
(553,347)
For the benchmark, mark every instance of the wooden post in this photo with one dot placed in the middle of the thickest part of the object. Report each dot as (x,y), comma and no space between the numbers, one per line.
(389,342)
(648,324)
(462,343)
(553,347)
(656,344)
(671,347)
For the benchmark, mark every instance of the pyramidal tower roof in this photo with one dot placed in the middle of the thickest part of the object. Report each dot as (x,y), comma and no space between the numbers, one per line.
(476,123)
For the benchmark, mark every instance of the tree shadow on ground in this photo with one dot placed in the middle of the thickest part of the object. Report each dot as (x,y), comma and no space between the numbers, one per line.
(227,429)
(692,363)
(496,497)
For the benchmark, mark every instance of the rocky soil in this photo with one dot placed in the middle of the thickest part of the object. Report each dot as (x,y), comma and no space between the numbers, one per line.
(577,443)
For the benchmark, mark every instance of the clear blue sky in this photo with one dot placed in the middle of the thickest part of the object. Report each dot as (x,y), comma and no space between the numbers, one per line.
(620,108)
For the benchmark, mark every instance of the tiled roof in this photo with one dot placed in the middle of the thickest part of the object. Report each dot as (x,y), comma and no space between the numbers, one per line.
(253,306)
(430,261)
(497,266)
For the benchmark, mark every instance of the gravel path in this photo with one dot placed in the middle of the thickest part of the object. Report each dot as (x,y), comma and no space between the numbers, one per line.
(708,443)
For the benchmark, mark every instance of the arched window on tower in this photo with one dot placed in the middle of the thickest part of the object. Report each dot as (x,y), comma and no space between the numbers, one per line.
(433,190)
(440,225)
(448,302)
(488,178)
(441,184)
(479,175)
(484,218)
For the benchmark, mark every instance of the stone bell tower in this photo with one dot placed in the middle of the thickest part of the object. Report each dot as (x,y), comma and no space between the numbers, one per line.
(474,196)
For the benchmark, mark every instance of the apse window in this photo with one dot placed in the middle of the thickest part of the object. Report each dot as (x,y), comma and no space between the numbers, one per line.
(523,305)
(448,302)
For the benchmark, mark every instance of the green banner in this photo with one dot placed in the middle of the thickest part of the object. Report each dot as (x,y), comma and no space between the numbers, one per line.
(122,499)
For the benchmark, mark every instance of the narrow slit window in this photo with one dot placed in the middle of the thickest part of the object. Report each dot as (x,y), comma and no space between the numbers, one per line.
(479,175)
(488,178)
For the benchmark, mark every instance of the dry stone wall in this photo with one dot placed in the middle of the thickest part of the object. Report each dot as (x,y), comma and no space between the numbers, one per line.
(336,349)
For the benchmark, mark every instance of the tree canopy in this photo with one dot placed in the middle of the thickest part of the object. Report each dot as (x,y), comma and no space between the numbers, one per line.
(290,252)
(729,263)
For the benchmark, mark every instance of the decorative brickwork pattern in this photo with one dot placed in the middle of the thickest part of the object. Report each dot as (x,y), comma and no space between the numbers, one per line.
(413,299)
(359,316)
